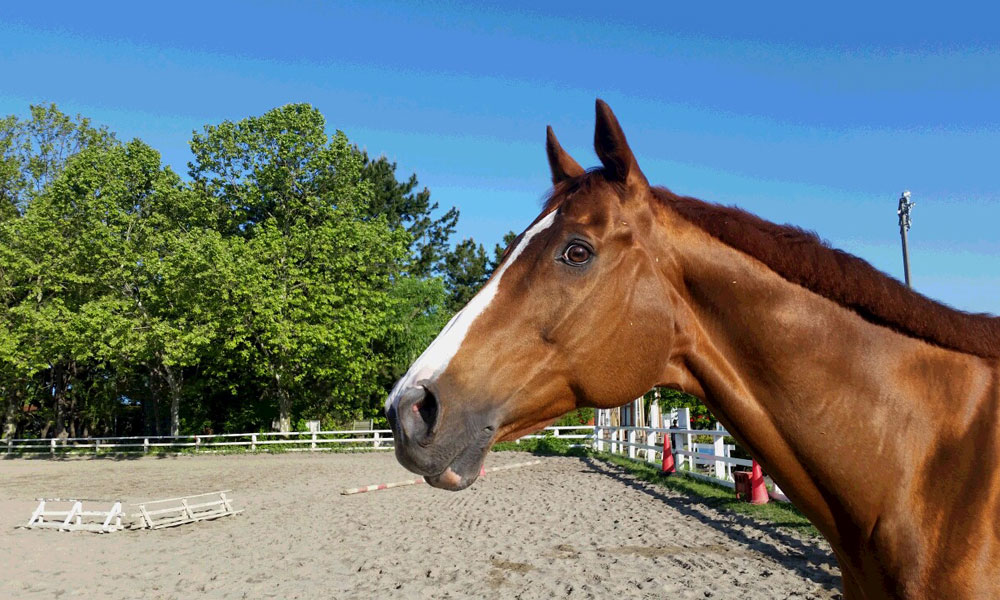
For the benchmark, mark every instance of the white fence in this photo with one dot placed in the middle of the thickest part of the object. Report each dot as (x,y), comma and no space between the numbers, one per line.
(713,462)
(300,441)
(377,439)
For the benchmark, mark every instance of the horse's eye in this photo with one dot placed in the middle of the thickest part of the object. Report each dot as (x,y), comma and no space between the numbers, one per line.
(577,254)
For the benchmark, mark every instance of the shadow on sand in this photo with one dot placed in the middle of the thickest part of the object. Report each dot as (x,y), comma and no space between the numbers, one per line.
(806,559)
(71,456)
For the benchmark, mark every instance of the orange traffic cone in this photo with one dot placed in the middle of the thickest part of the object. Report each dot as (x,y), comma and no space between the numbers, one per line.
(758,490)
(668,456)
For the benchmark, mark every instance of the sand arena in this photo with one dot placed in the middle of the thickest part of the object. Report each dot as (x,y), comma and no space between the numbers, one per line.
(568,527)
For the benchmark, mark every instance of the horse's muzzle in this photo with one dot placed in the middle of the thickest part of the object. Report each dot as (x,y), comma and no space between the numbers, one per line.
(447,447)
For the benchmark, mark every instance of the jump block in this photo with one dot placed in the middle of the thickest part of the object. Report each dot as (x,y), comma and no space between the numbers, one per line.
(160,514)
(72,518)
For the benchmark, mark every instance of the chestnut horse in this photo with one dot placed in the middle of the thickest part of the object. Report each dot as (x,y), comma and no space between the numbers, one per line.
(874,408)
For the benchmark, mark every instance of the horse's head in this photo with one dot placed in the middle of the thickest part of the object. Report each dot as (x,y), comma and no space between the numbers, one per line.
(563,322)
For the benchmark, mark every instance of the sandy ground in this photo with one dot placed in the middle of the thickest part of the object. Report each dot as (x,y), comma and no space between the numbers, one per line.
(568,528)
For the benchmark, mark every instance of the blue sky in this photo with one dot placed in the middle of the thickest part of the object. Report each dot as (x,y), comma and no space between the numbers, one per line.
(818,117)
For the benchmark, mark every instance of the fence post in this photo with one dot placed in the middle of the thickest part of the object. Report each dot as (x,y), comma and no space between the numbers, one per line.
(52,447)
(253,442)
(650,441)
(631,443)
(377,443)
(719,449)
(312,446)
(684,422)
(598,444)
(10,445)
(729,466)
(197,443)
(145,445)
(97,445)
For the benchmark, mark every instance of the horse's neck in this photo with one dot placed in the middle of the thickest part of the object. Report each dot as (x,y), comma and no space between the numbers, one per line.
(818,394)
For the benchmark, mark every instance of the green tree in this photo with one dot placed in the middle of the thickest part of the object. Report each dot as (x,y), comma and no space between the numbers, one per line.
(314,267)
(292,277)
(403,207)
(466,269)
(500,249)
(34,151)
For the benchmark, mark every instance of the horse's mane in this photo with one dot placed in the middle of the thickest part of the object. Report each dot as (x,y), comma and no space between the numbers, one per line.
(800,257)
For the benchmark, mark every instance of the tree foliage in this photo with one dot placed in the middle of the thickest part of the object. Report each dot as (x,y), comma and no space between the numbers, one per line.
(34,151)
(403,207)
(290,277)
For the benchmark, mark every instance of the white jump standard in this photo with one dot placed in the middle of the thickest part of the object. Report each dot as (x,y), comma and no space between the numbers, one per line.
(72,519)
(183,511)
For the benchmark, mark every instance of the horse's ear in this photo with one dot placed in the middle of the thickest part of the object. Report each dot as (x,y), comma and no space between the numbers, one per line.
(562,164)
(612,148)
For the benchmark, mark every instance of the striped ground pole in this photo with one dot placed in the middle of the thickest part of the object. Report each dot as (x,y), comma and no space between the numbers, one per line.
(395,484)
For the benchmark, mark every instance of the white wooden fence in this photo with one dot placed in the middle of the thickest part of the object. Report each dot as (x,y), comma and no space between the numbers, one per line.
(377,439)
(713,462)
(300,441)
(709,461)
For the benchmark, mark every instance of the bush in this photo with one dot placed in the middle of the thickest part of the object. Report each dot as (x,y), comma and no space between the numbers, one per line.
(548,445)
(580,416)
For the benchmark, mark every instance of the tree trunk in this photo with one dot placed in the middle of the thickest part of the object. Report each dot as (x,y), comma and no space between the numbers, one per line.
(284,406)
(174,382)
(72,417)
(150,414)
(14,404)
(59,383)
(72,428)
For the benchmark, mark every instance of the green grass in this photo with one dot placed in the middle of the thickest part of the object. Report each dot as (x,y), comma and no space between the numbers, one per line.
(778,514)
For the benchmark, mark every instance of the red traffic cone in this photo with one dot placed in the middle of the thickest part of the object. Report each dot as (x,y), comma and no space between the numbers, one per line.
(758,490)
(668,456)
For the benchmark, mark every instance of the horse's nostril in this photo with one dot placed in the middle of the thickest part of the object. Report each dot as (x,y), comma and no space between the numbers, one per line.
(417,414)
(428,410)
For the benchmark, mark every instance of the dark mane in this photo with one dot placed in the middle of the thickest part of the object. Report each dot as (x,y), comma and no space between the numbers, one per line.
(802,258)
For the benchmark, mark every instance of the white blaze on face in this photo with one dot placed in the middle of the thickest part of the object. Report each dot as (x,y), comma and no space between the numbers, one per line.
(436,357)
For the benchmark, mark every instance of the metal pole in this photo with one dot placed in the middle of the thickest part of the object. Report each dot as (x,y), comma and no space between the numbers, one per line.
(904,225)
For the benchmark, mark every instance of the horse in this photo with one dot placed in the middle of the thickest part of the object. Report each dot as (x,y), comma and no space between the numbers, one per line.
(873,407)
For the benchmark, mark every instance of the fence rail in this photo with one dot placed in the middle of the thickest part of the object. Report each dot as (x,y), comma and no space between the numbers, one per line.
(714,461)
(370,439)
(711,462)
